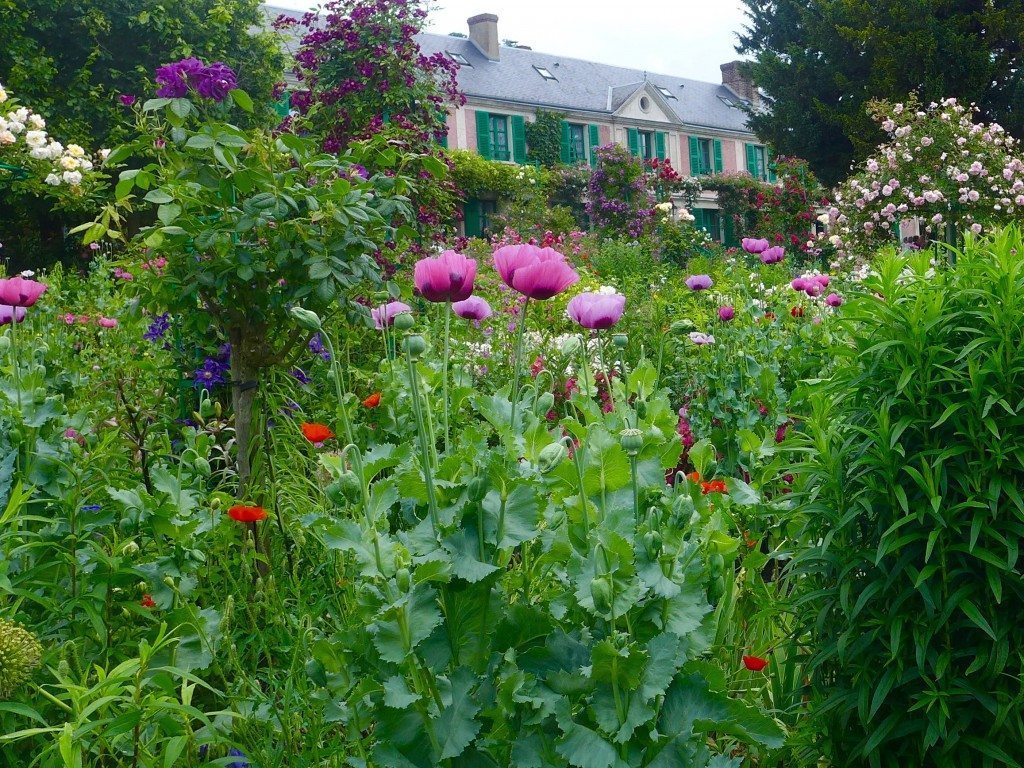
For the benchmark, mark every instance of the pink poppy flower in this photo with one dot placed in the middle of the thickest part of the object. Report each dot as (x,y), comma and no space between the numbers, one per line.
(473,308)
(385,314)
(19,292)
(448,277)
(596,311)
(537,273)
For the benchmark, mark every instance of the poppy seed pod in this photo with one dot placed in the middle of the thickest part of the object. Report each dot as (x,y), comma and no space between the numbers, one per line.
(404,321)
(305,318)
(415,345)
(631,440)
(620,340)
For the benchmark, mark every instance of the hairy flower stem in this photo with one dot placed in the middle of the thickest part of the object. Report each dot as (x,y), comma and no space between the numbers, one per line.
(636,491)
(585,368)
(339,390)
(518,362)
(15,367)
(371,525)
(425,453)
(447,308)
(607,371)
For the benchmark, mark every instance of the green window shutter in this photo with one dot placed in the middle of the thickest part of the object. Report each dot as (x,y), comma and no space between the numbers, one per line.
(283,106)
(695,169)
(633,140)
(718,156)
(770,160)
(483,135)
(659,144)
(751,160)
(698,213)
(471,218)
(386,116)
(730,231)
(518,139)
(595,141)
(565,149)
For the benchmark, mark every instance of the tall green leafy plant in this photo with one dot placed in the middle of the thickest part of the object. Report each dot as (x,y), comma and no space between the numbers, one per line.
(909,580)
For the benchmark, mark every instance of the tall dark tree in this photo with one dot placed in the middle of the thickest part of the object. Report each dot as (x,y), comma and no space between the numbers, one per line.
(821,61)
(71,61)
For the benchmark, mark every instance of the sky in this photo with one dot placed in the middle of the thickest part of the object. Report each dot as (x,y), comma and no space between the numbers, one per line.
(686,38)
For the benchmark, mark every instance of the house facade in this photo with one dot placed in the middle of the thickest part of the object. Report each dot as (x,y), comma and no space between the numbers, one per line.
(700,127)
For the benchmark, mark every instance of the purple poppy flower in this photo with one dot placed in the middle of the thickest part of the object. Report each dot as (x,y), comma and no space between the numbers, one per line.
(537,273)
(11,314)
(448,277)
(702,339)
(596,311)
(773,255)
(750,245)
(726,313)
(384,315)
(699,282)
(798,284)
(473,308)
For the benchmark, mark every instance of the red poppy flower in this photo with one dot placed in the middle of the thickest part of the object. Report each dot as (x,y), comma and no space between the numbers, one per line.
(247,514)
(372,401)
(148,601)
(316,433)
(797,311)
(695,476)
(754,663)
(713,486)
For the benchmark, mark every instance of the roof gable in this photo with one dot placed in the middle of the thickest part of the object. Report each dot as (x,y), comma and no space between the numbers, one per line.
(645,102)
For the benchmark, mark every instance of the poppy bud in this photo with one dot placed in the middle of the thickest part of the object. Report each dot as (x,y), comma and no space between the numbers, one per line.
(601,591)
(652,541)
(551,456)
(477,488)
(335,493)
(570,346)
(350,485)
(545,403)
(5,343)
(215,503)
(681,327)
(404,321)
(404,579)
(169,581)
(130,548)
(308,320)
(415,345)
(202,466)
(217,409)
(641,409)
(206,407)
(631,440)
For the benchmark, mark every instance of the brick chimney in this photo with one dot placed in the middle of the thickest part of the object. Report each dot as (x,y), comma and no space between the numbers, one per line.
(734,78)
(483,30)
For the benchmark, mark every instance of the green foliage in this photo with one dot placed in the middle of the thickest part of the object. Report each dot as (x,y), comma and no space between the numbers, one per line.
(544,138)
(911,515)
(821,63)
(71,62)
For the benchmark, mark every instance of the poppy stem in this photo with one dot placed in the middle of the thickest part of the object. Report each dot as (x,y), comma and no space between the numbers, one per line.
(338,389)
(444,373)
(518,364)
(425,453)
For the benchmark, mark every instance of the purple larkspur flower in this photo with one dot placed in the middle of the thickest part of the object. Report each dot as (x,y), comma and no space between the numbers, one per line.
(300,376)
(157,328)
(316,346)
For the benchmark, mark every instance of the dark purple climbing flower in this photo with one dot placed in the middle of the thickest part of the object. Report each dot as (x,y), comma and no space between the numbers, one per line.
(175,79)
(157,329)
(215,81)
(316,346)
(212,373)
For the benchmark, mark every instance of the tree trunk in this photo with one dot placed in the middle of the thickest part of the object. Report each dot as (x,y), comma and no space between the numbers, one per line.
(243,394)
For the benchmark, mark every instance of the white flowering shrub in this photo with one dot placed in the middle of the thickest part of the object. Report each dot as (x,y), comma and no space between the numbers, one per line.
(33,157)
(938,166)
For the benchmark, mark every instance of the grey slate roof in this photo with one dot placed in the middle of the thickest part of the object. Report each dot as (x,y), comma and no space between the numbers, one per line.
(580,86)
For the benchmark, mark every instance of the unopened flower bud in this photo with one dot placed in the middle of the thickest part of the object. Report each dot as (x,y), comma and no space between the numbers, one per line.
(130,548)
(202,466)
(404,579)
(305,318)
(404,321)
(545,403)
(601,591)
(215,503)
(682,327)
(169,581)
(477,488)
(20,652)
(551,456)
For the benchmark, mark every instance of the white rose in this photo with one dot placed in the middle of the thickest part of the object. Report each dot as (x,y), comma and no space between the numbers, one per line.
(74,178)
(39,153)
(37,122)
(3,95)
(15,126)
(6,137)
(75,151)
(69,163)
(104,154)
(20,114)
(53,180)
(35,139)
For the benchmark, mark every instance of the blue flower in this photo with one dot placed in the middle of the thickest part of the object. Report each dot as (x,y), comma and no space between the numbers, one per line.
(243,763)
(300,376)
(91,507)
(157,329)
(316,346)
(212,373)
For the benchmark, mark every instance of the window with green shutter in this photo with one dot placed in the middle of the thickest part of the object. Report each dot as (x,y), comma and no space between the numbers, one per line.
(718,156)
(633,141)
(705,156)
(498,130)
(283,106)
(518,138)
(645,145)
(483,134)
(471,218)
(595,142)
(577,144)
(564,151)
(756,161)
(660,141)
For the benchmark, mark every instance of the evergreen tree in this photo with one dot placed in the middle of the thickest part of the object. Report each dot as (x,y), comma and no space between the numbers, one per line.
(820,62)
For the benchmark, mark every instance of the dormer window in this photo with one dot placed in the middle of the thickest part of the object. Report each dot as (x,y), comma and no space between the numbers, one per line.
(667,93)
(459,59)
(545,73)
